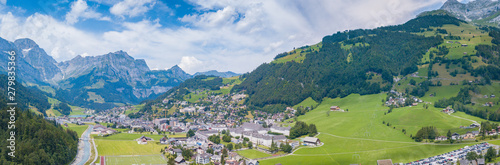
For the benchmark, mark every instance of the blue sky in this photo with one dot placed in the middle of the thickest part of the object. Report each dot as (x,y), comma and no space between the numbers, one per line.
(197,35)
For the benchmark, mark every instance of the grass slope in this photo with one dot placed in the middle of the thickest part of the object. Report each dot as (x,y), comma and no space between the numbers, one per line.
(127,147)
(252,154)
(133,159)
(358,136)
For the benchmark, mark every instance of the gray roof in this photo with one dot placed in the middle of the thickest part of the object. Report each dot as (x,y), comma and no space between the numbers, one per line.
(282,128)
(480,161)
(310,139)
(252,126)
(204,156)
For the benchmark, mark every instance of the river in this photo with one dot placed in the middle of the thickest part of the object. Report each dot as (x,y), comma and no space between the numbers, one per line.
(84,147)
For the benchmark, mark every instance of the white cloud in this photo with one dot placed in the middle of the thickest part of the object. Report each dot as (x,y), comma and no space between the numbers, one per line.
(80,9)
(132,8)
(236,35)
(190,64)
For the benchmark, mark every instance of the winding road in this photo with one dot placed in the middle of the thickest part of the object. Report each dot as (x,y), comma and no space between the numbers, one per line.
(84,147)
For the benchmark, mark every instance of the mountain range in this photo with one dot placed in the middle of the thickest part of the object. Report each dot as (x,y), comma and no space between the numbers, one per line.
(97,82)
(478,11)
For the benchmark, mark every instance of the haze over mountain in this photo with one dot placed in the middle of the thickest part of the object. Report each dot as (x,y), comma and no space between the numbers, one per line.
(94,81)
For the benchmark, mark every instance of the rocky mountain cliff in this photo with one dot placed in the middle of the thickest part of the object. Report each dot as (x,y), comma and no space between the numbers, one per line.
(37,58)
(486,11)
(97,82)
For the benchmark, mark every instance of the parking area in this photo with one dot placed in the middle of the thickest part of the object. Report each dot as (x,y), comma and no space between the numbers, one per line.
(453,156)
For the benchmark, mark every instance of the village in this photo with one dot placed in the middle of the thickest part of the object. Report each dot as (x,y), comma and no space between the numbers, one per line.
(213,132)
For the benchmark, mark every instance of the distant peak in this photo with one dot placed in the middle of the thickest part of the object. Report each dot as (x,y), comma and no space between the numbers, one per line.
(25,43)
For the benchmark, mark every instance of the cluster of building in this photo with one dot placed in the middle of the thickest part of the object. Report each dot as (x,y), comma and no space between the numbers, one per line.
(399,100)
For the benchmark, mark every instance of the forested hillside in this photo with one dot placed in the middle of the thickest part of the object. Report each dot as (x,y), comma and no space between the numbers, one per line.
(37,140)
(342,64)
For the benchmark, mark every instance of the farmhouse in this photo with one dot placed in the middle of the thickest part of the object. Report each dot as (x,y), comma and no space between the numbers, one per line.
(312,141)
(179,159)
(455,136)
(164,140)
(469,135)
(253,162)
(441,138)
(336,108)
(143,140)
(448,110)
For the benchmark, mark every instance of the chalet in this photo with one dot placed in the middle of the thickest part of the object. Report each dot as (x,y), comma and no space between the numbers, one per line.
(334,108)
(384,162)
(492,96)
(143,140)
(179,159)
(455,136)
(448,110)
(464,45)
(175,151)
(469,135)
(253,162)
(474,125)
(441,138)
(312,141)
(164,140)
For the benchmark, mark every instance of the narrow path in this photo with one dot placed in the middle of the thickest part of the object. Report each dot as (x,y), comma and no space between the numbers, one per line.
(468,120)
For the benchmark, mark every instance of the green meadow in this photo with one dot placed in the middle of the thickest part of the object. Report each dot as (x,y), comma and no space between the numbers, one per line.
(358,136)
(127,147)
(78,128)
(127,136)
(134,159)
(252,154)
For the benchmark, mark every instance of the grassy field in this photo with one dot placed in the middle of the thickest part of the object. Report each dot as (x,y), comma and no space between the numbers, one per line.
(252,154)
(136,109)
(127,147)
(95,97)
(232,80)
(309,102)
(78,128)
(358,136)
(441,92)
(414,118)
(132,159)
(297,55)
(128,136)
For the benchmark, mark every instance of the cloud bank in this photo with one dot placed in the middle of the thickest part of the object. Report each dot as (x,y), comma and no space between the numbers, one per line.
(236,35)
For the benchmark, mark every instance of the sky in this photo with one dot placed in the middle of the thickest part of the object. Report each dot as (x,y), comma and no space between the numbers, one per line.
(197,35)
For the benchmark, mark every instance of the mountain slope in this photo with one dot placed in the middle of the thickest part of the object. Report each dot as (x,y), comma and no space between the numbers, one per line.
(37,58)
(480,11)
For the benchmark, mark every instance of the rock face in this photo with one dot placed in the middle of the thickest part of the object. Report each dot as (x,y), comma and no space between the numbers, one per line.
(37,58)
(474,10)
(24,70)
(112,65)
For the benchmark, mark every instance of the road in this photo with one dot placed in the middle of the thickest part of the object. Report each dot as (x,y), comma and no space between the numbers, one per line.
(84,147)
